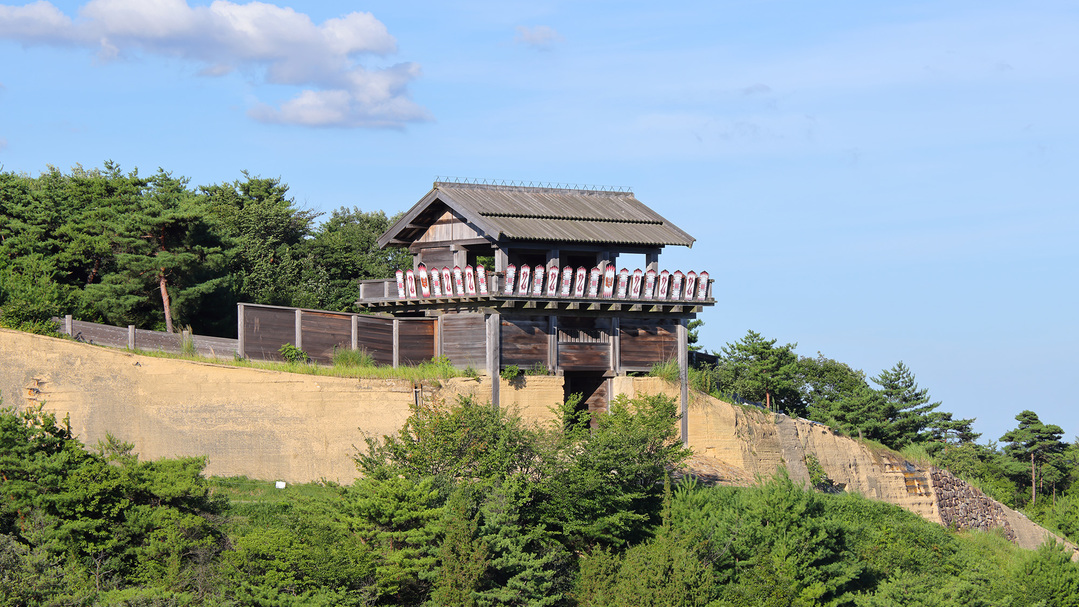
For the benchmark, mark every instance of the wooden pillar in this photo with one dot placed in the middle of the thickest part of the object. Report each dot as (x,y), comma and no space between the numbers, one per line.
(616,346)
(683,376)
(298,330)
(651,261)
(552,345)
(502,259)
(396,342)
(553,258)
(355,342)
(240,345)
(131,337)
(494,354)
(69,324)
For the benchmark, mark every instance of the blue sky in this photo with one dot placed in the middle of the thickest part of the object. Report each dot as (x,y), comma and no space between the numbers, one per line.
(874,181)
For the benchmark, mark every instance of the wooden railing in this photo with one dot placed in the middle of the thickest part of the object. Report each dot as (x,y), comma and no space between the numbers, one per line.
(141,339)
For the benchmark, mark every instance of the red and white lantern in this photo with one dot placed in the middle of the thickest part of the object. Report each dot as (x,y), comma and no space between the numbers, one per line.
(410,284)
(691,284)
(400,284)
(537,281)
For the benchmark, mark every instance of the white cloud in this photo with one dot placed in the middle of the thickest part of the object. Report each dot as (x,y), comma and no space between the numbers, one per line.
(541,37)
(286,45)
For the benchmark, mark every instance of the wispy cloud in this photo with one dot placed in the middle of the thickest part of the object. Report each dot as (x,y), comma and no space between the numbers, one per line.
(283,45)
(539,37)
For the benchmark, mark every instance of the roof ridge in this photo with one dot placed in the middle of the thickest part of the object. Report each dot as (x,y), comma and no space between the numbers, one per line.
(531,186)
(573,218)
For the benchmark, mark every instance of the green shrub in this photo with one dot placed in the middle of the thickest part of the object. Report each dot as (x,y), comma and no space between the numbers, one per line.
(292,354)
(350,358)
(510,372)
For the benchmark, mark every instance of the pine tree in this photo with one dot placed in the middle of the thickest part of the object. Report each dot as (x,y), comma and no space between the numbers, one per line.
(1033,440)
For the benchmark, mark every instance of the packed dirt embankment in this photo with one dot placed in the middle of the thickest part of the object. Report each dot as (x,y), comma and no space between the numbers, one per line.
(299,428)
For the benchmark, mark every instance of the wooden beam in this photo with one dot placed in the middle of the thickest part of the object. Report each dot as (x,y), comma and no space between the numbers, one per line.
(494,354)
(683,376)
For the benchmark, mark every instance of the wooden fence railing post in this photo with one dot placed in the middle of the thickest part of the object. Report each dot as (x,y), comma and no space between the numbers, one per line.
(69,325)
(355,343)
(299,330)
(683,376)
(131,337)
(396,342)
(240,331)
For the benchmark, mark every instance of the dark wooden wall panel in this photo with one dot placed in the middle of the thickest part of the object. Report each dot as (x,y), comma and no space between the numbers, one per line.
(437,257)
(584,357)
(464,340)
(643,344)
(102,335)
(587,330)
(525,342)
(374,335)
(325,331)
(416,340)
(266,330)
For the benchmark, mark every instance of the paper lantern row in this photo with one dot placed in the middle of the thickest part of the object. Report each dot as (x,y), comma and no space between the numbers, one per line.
(540,281)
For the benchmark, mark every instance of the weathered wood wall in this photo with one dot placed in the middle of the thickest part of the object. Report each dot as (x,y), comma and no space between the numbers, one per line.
(143,339)
(643,344)
(525,341)
(416,340)
(374,335)
(266,329)
(324,332)
(464,340)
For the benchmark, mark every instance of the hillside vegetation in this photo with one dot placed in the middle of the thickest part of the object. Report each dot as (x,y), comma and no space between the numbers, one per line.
(467,505)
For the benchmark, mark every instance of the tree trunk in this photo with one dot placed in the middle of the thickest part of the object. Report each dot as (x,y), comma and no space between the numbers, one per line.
(165,302)
(1033,483)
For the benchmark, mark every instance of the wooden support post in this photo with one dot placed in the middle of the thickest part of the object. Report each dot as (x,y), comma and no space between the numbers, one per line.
(240,346)
(131,337)
(651,261)
(69,325)
(501,260)
(683,376)
(298,330)
(616,346)
(355,343)
(494,355)
(396,342)
(552,346)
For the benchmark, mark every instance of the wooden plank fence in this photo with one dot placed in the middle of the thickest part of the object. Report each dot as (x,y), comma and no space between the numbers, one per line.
(141,339)
(264,329)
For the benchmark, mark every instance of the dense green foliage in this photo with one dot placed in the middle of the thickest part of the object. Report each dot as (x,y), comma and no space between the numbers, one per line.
(467,505)
(899,414)
(153,252)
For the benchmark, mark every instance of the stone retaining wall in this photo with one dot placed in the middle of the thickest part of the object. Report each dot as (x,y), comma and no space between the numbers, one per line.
(963,507)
